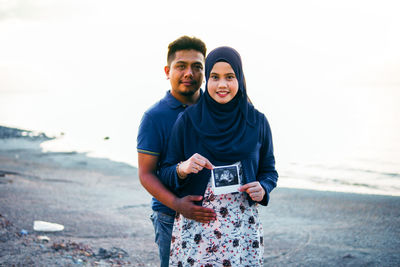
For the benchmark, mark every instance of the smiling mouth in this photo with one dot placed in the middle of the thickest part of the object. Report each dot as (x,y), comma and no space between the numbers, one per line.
(222,94)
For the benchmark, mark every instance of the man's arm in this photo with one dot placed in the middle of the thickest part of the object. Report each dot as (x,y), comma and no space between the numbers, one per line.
(185,205)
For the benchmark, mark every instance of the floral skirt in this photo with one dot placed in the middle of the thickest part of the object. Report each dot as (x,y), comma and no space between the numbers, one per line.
(235,238)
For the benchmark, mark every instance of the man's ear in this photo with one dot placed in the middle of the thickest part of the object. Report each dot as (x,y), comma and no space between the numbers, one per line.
(166,70)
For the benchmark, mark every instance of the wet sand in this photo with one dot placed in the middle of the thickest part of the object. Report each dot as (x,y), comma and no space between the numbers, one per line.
(106,212)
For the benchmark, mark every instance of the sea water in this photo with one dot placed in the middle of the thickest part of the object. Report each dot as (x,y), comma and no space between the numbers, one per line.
(335,144)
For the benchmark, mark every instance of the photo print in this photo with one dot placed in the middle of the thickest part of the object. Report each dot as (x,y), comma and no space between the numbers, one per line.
(225,179)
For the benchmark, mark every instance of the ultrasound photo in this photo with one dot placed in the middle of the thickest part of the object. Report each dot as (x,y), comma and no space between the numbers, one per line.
(225,179)
(226,176)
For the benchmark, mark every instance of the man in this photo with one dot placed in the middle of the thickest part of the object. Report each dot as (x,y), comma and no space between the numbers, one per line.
(185,70)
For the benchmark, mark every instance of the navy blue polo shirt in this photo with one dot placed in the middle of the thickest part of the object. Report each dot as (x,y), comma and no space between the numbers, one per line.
(154,131)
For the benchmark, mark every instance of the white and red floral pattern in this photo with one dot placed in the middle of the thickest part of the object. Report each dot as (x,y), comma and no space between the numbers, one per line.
(235,238)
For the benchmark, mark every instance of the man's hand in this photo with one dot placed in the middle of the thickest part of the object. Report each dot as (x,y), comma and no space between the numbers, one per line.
(254,189)
(188,209)
(193,165)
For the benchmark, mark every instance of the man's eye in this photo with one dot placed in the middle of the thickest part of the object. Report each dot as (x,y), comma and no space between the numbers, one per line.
(181,67)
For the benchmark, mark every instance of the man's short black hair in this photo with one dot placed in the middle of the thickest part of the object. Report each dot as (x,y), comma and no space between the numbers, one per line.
(185,43)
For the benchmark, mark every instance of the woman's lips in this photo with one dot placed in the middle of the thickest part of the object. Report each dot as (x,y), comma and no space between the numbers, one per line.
(222,94)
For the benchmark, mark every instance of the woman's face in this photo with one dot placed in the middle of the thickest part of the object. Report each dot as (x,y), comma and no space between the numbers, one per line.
(222,84)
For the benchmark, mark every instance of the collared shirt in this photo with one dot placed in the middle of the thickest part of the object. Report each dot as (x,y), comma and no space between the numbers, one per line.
(154,131)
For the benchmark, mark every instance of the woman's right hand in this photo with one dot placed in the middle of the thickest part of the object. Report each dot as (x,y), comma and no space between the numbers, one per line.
(193,165)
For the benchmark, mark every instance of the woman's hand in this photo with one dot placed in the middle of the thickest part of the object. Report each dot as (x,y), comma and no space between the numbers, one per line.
(254,189)
(193,165)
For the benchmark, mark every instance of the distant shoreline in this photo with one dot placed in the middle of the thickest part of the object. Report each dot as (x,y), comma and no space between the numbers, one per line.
(35,138)
(8,132)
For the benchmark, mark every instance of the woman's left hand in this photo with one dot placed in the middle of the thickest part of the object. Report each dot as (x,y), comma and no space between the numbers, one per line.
(254,189)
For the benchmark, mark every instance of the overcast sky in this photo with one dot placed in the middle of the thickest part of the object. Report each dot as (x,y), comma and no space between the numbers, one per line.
(101,62)
(286,41)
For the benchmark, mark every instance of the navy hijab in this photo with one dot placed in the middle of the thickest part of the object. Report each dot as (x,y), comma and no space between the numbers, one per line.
(228,132)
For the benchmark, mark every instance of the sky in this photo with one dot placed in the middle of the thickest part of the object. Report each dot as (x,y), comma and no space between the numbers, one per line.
(322,71)
(312,41)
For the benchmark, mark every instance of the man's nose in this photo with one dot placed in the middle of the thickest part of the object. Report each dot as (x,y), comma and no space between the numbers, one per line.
(189,72)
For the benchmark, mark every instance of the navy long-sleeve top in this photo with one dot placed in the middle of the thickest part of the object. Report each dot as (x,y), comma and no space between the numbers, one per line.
(258,166)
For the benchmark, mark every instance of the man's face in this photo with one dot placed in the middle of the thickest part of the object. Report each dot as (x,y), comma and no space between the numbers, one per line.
(186,72)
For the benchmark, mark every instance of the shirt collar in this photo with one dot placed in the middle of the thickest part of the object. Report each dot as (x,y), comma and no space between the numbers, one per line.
(173,102)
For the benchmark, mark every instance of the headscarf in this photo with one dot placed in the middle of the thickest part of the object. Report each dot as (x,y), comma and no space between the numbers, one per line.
(228,132)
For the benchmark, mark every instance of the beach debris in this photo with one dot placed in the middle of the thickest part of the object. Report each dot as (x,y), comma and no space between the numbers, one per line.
(4,222)
(7,230)
(114,252)
(78,261)
(348,256)
(43,226)
(43,238)
(75,248)
(83,254)
(23,232)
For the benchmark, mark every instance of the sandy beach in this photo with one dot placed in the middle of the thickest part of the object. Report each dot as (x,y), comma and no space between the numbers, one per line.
(105,212)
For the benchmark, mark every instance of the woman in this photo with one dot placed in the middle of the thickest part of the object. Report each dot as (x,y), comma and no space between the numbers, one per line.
(222,129)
